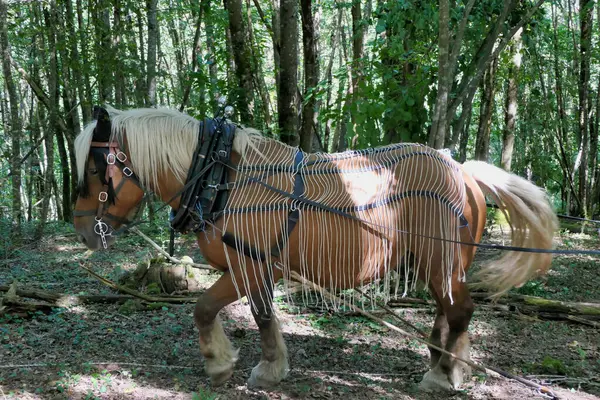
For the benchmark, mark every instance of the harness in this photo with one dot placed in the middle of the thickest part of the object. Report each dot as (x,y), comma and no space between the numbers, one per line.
(206,190)
(115,158)
(205,193)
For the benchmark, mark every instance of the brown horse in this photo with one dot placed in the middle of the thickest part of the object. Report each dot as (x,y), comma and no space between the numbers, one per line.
(262,209)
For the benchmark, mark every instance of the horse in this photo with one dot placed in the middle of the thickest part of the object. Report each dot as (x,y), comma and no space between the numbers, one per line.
(262,210)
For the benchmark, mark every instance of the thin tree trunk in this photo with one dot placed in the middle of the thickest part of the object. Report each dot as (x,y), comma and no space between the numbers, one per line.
(311,75)
(586,7)
(50,21)
(196,50)
(177,48)
(241,53)
(212,52)
(464,135)
(258,76)
(140,85)
(152,50)
(335,35)
(120,55)
(104,52)
(486,112)
(15,123)
(510,112)
(358,37)
(276,24)
(83,84)
(439,122)
(287,96)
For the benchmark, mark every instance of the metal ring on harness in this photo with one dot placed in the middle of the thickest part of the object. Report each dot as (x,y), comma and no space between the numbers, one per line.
(101,227)
(111,159)
(102,197)
(122,157)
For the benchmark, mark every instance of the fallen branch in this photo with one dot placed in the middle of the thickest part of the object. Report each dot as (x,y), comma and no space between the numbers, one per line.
(169,257)
(65,300)
(479,367)
(392,313)
(542,304)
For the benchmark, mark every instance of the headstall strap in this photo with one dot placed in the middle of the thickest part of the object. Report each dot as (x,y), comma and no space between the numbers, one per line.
(115,158)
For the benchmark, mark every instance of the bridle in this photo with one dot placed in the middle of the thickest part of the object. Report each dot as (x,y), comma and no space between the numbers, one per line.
(115,158)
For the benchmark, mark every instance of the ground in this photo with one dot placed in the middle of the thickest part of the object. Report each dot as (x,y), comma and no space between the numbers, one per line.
(99,351)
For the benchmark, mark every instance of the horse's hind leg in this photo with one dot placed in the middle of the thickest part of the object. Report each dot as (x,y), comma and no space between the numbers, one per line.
(273,366)
(219,354)
(449,373)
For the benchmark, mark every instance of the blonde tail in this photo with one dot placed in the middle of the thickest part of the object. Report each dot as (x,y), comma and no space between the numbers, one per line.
(532,222)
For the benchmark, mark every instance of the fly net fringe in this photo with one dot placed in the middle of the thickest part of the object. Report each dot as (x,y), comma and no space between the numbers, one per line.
(402,198)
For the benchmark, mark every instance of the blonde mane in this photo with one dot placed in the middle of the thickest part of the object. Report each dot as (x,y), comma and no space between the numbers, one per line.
(158,140)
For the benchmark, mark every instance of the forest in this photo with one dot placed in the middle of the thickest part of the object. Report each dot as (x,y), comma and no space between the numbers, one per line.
(515,83)
(482,79)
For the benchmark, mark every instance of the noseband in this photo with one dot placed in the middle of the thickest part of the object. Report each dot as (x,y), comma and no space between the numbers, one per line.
(115,158)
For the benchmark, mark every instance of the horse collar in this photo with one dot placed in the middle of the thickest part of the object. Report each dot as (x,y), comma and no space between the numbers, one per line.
(207,187)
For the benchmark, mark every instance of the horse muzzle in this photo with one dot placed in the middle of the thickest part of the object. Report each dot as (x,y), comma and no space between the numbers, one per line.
(96,236)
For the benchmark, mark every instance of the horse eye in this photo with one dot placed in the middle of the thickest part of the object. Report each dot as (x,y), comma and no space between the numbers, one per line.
(93,171)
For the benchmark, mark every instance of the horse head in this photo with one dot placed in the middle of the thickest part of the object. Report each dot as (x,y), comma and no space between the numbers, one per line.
(109,192)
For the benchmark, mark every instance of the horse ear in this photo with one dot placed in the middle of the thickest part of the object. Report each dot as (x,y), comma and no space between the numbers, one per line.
(103,130)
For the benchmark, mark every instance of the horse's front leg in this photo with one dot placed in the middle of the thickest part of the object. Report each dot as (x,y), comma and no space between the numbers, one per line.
(273,366)
(218,352)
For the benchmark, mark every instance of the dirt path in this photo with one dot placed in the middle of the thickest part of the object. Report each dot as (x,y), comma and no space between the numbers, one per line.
(98,352)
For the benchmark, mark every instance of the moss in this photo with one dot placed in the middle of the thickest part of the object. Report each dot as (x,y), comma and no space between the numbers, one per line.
(131,306)
(153,288)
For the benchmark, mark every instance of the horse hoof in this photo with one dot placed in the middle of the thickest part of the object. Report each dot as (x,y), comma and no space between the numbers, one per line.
(267,374)
(436,381)
(221,378)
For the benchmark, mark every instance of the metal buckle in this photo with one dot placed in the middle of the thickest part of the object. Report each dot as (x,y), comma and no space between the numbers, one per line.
(127,172)
(222,153)
(122,157)
(111,159)
(102,197)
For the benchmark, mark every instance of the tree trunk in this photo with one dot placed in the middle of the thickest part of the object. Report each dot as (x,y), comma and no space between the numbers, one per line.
(243,92)
(358,38)
(276,24)
(437,135)
(258,76)
(77,84)
(177,48)
(464,134)
(50,22)
(335,35)
(15,122)
(152,49)
(586,7)
(311,75)
(140,80)
(287,96)
(85,90)
(486,112)
(196,51)
(212,53)
(510,111)
(120,56)
(104,59)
